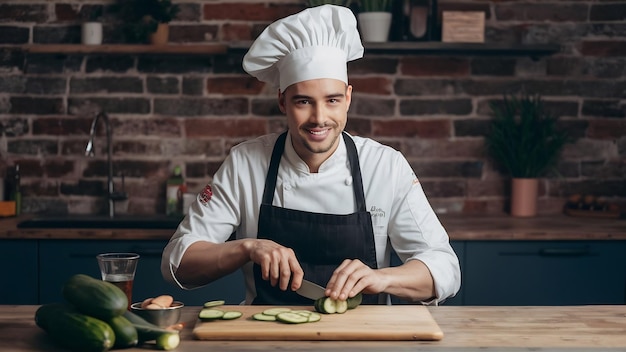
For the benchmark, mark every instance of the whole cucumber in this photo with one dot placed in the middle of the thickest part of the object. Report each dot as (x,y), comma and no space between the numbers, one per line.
(74,330)
(125,332)
(94,297)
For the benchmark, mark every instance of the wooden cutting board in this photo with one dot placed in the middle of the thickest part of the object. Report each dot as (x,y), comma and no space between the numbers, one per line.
(400,322)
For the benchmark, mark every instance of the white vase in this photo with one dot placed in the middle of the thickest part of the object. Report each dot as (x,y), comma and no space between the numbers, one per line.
(91,33)
(374,26)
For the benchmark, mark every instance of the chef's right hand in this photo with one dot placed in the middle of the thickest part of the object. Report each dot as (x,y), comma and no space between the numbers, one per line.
(278,264)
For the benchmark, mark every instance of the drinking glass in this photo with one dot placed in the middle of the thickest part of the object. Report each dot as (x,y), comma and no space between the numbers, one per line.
(119,269)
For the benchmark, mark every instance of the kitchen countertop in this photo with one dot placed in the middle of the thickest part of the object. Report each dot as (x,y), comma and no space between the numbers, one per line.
(459,227)
(470,328)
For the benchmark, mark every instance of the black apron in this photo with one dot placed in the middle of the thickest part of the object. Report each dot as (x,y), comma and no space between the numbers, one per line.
(321,242)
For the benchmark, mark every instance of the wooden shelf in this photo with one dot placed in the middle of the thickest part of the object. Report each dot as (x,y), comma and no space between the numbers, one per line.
(463,48)
(396,48)
(195,49)
(440,48)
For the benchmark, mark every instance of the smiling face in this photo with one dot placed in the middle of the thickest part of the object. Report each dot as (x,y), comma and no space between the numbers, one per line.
(317,111)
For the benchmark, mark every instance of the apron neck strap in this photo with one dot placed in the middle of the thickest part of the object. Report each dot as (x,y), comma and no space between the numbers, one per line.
(355,169)
(272,173)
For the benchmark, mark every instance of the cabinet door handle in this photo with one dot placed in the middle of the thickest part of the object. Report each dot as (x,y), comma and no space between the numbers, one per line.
(564,252)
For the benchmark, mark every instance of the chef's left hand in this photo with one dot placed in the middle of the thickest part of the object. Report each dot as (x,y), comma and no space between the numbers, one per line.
(352,277)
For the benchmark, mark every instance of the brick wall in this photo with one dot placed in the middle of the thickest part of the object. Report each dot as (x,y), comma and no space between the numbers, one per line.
(169,110)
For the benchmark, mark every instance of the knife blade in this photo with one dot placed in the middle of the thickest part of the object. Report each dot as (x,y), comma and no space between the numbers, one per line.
(311,290)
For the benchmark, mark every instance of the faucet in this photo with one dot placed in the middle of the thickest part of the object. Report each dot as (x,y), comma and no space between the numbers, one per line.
(112,196)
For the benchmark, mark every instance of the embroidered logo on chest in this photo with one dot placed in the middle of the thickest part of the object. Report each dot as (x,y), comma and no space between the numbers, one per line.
(377,213)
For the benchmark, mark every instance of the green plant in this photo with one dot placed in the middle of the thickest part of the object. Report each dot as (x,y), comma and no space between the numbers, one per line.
(375,5)
(142,17)
(524,138)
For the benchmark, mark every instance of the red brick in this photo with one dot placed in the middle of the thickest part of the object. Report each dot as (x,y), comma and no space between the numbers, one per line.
(40,188)
(359,127)
(59,168)
(541,12)
(29,168)
(235,32)
(412,128)
(434,66)
(234,85)
(24,13)
(147,206)
(606,129)
(373,64)
(444,148)
(66,12)
(608,12)
(475,206)
(154,127)
(248,12)
(372,85)
(486,188)
(62,126)
(225,128)
(603,48)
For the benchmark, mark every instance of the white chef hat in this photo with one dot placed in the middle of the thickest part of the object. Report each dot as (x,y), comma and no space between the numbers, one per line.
(314,43)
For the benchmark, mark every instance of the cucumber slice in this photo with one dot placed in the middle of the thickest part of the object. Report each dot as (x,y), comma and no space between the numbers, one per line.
(230,315)
(291,318)
(341,306)
(329,306)
(276,311)
(264,317)
(306,313)
(216,303)
(207,314)
(313,317)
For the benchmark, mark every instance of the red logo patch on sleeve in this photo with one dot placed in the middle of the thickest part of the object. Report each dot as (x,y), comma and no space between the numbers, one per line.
(206,194)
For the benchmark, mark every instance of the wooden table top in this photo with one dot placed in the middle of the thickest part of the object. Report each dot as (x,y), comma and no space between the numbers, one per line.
(556,328)
(459,227)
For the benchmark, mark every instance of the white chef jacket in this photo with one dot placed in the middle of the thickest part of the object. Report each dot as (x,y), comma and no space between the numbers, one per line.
(402,218)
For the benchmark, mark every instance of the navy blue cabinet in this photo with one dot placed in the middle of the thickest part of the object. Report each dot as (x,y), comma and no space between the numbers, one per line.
(544,272)
(18,259)
(493,272)
(60,259)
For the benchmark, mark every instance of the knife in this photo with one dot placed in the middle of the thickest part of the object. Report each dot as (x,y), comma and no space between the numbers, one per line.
(311,290)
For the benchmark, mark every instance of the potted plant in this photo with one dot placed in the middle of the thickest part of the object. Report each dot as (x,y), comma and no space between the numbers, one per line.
(91,28)
(375,20)
(525,141)
(146,20)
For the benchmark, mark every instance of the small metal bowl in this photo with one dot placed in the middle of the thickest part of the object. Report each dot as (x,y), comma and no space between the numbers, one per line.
(161,317)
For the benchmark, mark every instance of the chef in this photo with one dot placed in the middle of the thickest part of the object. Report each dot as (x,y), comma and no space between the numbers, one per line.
(313,202)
